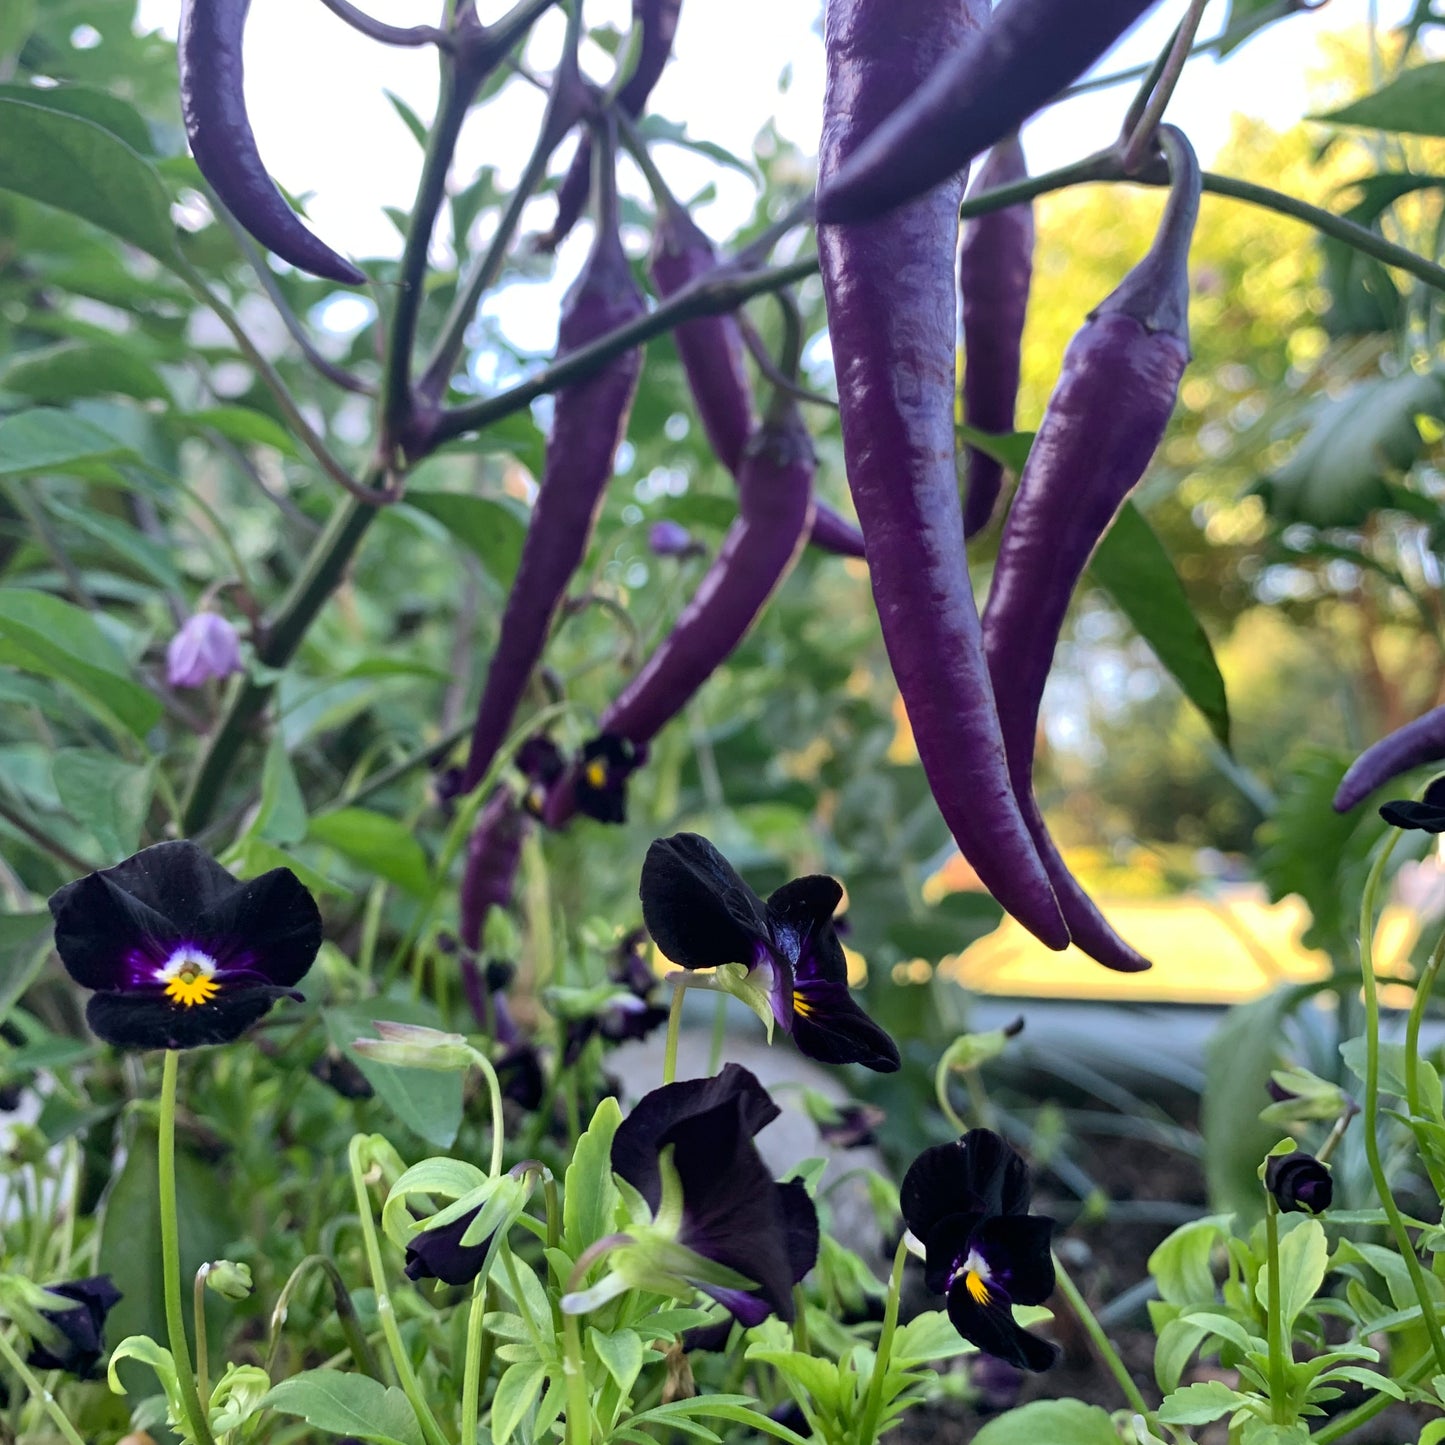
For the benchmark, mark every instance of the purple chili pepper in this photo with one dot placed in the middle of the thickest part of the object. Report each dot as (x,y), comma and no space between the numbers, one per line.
(775,484)
(712,353)
(981,90)
(589,420)
(890,292)
(493,853)
(1417,743)
(995,266)
(1115,395)
(658,21)
(213,106)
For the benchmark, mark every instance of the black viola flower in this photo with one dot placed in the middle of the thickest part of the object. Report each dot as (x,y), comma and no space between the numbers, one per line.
(702,915)
(1428,815)
(732,1212)
(1300,1183)
(851,1126)
(540,762)
(77,1341)
(177,951)
(438,1253)
(968,1204)
(602,773)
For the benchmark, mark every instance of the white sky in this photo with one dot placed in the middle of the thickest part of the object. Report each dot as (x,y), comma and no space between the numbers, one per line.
(324,127)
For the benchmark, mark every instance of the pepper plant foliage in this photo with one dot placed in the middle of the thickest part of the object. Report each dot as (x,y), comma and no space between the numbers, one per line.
(256,572)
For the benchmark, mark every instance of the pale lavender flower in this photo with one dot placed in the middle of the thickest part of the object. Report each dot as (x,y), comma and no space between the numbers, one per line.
(671,539)
(206,646)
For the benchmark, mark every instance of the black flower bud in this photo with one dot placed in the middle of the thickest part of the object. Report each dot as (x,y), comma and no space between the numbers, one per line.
(1300,1183)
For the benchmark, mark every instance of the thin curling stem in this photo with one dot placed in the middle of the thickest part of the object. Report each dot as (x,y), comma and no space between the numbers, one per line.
(171,1253)
(1137,137)
(1423,989)
(1103,1345)
(1372,1101)
(39,1393)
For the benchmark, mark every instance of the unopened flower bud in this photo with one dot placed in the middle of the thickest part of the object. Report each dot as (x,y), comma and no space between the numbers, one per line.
(1300,1183)
(206,647)
(229,1279)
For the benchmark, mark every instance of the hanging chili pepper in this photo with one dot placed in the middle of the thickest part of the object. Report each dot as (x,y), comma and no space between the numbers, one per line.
(981,90)
(490,872)
(657,20)
(213,106)
(1115,395)
(1412,746)
(889,286)
(589,420)
(995,266)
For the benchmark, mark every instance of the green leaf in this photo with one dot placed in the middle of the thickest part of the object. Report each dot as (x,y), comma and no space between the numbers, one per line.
(379,844)
(109,797)
(1181,1264)
(518,1388)
(347,1405)
(1052,1421)
(817,1376)
(239,424)
(1199,1404)
(409,118)
(492,530)
(1176,1345)
(21,955)
(73,369)
(589,1198)
(428,1103)
(17,20)
(1009,449)
(45,634)
(621,1352)
(1131,565)
(1412,103)
(1303,1258)
(146,556)
(50,440)
(926,1339)
(108,111)
(73,164)
(281,818)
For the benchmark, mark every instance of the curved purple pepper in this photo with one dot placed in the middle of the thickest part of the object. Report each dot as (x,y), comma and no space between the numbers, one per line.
(775,491)
(712,353)
(1115,395)
(658,22)
(977,93)
(1417,743)
(995,267)
(589,420)
(213,106)
(889,289)
(493,852)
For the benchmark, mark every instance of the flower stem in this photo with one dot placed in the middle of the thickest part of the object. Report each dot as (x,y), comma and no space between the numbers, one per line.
(203,1364)
(171,1252)
(1372,1100)
(674,1029)
(873,1405)
(477,1337)
(579,1412)
(1423,989)
(1103,1345)
(39,1393)
(494,1089)
(1279,1409)
(385,1312)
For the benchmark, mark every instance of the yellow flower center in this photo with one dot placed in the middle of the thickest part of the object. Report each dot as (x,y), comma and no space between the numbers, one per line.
(977,1287)
(801,1006)
(596,773)
(190,987)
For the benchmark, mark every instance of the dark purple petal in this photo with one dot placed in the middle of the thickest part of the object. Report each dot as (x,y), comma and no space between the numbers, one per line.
(828,1025)
(800,1224)
(977,1174)
(630,966)
(988,1322)
(269,927)
(708,1338)
(178,880)
(946,1247)
(109,939)
(151,1021)
(630,1018)
(338,1072)
(1015,1250)
(1424,817)
(440,1254)
(640,1136)
(806,904)
(697,909)
(80,1342)
(600,788)
(1299,1182)
(855,1126)
(519,1071)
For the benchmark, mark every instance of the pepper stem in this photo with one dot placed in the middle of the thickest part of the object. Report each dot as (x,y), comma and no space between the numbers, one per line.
(1143,119)
(171,1252)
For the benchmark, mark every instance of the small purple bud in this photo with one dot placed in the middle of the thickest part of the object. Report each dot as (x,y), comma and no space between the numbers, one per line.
(672,539)
(206,647)
(1300,1183)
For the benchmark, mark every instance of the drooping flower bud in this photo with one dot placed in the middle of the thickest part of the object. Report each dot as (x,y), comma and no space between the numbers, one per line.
(1300,1183)
(206,647)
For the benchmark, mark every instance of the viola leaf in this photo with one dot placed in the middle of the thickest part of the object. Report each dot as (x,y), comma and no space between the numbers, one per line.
(1131,565)
(1303,1259)
(1199,1404)
(346,1404)
(108,797)
(589,1197)
(73,164)
(1412,103)
(1060,1420)
(518,1388)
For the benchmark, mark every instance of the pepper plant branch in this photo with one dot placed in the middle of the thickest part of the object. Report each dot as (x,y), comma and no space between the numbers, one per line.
(711,296)
(44,841)
(1138,136)
(389,34)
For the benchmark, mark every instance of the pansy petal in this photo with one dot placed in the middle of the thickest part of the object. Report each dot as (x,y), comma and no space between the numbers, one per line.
(989,1324)
(746,1309)
(109,939)
(697,909)
(800,1223)
(269,926)
(1406,813)
(828,1025)
(806,903)
(638,1139)
(440,1254)
(152,1021)
(977,1174)
(1016,1253)
(946,1247)
(179,880)
(600,788)
(801,914)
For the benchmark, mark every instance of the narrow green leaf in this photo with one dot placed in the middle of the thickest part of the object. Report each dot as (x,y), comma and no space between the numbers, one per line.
(518,1388)
(239,424)
(493,531)
(1009,449)
(146,556)
(1412,103)
(409,118)
(1132,566)
(281,818)
(589,1197)
(50,440)
(379,844)
(346,1404)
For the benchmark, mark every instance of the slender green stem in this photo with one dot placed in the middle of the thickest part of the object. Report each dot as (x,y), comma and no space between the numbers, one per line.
(1102,1344)
(945,1104)
(385,1312)
(719,1033)
(1140,133)
(1279,1407)
(362,1355)
(674,1030)
(579,1411)
(494,1090)
(38,1392)
(203,1364)
(1372,1100)
(472,1376)
(873,1403)
(171,1252)
(1423,989)
(1337,1132)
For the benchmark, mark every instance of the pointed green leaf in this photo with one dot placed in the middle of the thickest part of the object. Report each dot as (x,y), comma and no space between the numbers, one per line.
(492,530)
(1412,103)
(49,440)
(379,844)
(109,797)
(589,1198)
(345,1404)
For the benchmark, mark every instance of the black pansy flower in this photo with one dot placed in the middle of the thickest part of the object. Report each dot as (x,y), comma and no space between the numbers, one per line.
(720,1223)
(77,1342)
(1299,1182)
(180,953)
(968,1204)
(703,915)
(438,1253)
(1428,815)
(540,762)
(600,786)
(851,1126)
